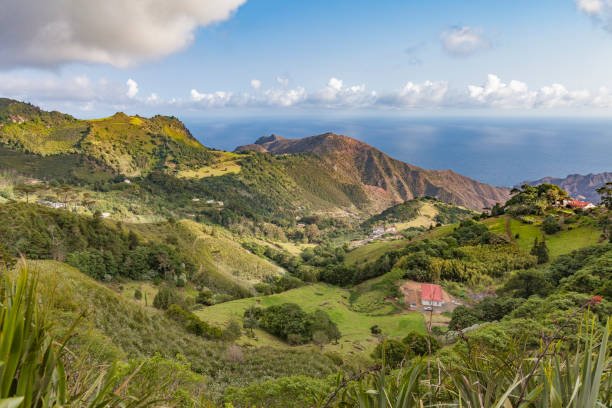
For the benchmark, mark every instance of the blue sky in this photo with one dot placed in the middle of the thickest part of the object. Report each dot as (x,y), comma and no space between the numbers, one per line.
(252,57)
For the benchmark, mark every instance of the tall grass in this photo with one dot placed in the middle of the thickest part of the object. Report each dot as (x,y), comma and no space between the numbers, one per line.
(32,373)
(558,375)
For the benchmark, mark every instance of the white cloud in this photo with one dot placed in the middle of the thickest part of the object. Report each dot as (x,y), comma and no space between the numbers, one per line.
(496,93)
(55,88)
(217,99)
(132,90)
(116,32)
(283,97)
(599,10)
(464,41)
(282,81)
(81,93)
(590,6)
(335,94)
(414,95)
(153,99)
(255,83)
(516,94)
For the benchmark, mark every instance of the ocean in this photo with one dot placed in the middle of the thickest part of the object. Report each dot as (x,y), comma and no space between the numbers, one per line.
(499,151)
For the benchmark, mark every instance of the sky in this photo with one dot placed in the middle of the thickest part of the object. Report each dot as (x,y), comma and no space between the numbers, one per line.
(241,58)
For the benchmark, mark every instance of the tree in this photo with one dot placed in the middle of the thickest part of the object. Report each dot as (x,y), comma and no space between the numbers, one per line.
(165,297)
(605,192)
(540,251)
(497,210)
(421,344)
(320,338)
(205,297)
(550,225)
(391,352)
(463,317)
(25,190)
(527,283)
(232,331)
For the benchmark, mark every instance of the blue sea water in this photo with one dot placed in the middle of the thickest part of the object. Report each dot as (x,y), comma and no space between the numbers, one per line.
(499,151)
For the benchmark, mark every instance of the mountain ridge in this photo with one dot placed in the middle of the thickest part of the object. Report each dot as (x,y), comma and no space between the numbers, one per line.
(581,186)
(131,145)
(327,172)
(388,179)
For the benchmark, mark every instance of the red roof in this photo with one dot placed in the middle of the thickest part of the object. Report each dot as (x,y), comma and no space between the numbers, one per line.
(577,204)
(431,292)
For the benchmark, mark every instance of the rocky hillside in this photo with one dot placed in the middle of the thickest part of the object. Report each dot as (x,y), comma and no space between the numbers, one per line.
(386,181)
(578,185)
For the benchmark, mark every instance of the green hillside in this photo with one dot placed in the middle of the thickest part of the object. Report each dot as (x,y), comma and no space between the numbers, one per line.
(419,213)
(579,232)
(355,326)
(130,145)
(113,328)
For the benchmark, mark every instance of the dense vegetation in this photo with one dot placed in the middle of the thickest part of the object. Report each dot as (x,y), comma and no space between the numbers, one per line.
(93,245)
(471,253)
(289,322)
(170,274)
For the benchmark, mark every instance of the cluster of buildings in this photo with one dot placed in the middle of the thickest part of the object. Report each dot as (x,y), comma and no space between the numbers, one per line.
(381,230)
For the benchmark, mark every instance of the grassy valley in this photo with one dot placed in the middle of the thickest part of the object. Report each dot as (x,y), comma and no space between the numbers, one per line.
(184,276)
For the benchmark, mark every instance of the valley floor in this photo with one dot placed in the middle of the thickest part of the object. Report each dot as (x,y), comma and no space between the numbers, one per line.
(354,326)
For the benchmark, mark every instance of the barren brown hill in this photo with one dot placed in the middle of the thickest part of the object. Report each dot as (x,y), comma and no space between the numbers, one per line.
(385,180)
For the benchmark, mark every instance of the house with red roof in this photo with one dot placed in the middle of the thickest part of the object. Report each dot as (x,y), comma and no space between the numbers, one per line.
(431,295)
(585,205)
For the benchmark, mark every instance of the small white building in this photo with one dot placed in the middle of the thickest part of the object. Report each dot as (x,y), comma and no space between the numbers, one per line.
(431,295)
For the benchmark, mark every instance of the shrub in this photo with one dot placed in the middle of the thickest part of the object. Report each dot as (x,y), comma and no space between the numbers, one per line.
(232,331)
(205,297)
(550,225)
(421,344)
(193,324)
(391,352)
(165,297)
(289,322)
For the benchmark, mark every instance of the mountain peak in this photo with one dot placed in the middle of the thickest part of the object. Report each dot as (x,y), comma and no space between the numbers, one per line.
(269,139)
(385,180)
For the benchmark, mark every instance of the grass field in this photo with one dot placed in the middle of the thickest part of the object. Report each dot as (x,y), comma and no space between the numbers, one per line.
(372,251)
(215,251)
(354,326)
(113,328)
(214,170)
(582,234)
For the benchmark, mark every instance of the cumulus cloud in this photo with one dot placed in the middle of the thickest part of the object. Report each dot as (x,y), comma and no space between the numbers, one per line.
(77,88)
(116,32)
(255,83)
(464,41)
(217,99)
(413,95)
(337,94)
(516,94)
(282,97)
(592,7)
(82,93)
(132,90)
(600,11)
